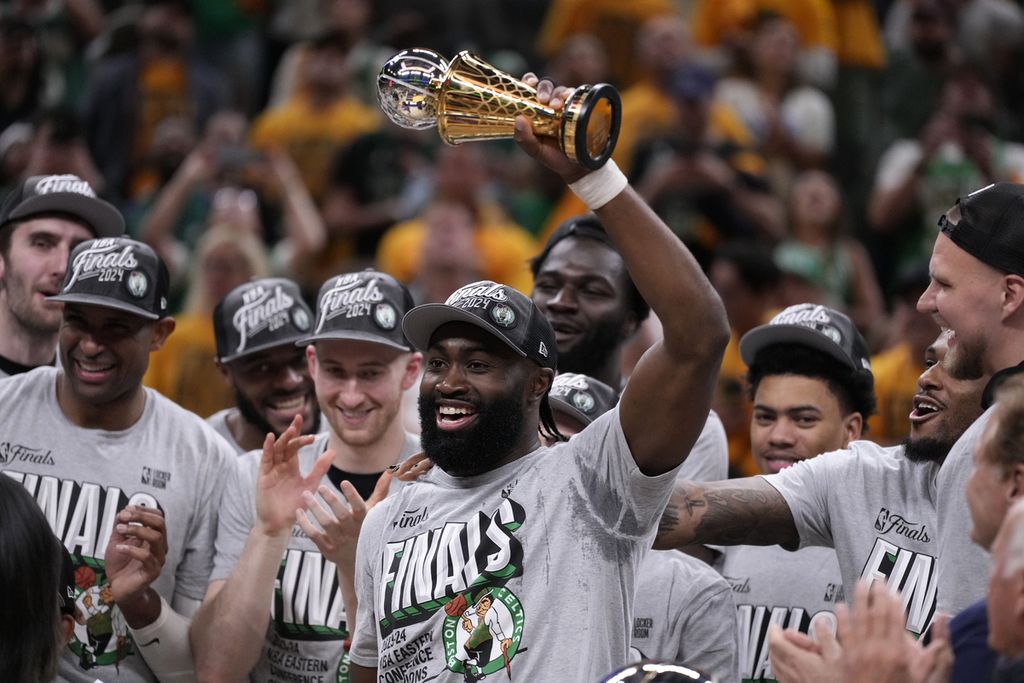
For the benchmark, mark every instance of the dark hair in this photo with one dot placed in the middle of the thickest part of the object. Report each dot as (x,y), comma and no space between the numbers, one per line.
(30,563)
(754,263)
(589,227)
(548,427)
(1005,448)
(854,390)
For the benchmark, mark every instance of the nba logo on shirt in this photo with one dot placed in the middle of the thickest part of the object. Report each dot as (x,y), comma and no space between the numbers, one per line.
(883,515)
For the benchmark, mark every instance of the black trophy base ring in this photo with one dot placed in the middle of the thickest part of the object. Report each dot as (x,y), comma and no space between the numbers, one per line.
(590,124)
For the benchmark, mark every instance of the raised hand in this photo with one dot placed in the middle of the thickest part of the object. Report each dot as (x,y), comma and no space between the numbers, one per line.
(133,559)
(412,468)
(340,520)
(280,486)
(546,149)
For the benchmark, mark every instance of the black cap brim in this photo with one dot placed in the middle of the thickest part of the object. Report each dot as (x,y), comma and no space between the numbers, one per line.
(261,347)
(351,335)
(104,302)
(759,338)
(422,322)
(101,217)
(560,406)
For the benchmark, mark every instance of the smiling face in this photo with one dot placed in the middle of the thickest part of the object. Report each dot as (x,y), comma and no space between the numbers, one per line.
(105,352)
(795,418)
(33,268)
(359,386)
(944,407)
(478,401)
(581,289)
(272,387)
(964,297)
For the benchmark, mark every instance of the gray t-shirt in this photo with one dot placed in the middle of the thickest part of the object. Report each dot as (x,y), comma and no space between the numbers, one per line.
(964,566)
(219,422)
(524,573)
(709,458)
(307,627)
(170,459)
(876,508)
(770,585)
(684,612)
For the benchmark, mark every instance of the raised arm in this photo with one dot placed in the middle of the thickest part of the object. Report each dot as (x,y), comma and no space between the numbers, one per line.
(229,629)
(667,399)
(746,511)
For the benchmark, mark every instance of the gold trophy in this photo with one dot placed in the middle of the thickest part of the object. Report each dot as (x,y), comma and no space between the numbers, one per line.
(468,99)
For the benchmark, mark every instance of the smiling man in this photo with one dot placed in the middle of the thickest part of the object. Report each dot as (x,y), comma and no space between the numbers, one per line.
(553,535)
(106,457)
(875,506)
(256,326)
(274,608)
(41,221)
(977,295)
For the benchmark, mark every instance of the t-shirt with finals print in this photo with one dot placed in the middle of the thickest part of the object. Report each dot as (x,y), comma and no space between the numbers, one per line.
(877,509)
(169,459)
(307,630)
(523,573)
(684,612)
(770,585)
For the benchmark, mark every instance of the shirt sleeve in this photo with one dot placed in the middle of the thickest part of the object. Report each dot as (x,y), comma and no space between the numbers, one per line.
(236,519)
(805,487)
(193,573)
(365,639)
(625,501)
(709,458)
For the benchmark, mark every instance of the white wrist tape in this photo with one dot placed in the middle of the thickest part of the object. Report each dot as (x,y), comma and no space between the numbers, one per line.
(165,646)
(599,187)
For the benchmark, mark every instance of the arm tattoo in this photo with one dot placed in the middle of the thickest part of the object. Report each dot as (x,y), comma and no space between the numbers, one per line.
(735,512)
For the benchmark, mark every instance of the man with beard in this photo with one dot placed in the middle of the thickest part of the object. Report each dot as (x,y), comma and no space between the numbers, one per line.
(556,534)
(267,553)
(256,326)
(976,294)
(875,506)
(41,221)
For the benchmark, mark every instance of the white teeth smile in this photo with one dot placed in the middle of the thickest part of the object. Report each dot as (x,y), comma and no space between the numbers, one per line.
(289,404)
(927,407)
(452,410)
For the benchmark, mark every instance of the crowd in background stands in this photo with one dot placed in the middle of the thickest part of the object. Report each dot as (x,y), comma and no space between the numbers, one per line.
(803,149)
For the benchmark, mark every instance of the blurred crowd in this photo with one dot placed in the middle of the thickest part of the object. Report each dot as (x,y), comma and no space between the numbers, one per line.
(802,149)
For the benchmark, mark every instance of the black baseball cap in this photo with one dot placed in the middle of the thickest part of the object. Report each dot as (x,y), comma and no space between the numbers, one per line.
(364,306)
(581,396)
(990,226)
(813,325)
(63,194)
(501,310)
(260,315)
(116,272)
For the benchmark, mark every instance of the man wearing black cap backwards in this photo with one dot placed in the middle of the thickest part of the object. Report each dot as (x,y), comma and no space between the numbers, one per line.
(256,326)
(41,221)
(275,609)
(128,480)
(554,534)
(977,295)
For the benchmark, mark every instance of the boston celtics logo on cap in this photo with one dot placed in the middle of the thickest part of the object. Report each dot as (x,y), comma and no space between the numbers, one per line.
(138,284)
(583,401)
(300,319)
(503,315)
(385,315)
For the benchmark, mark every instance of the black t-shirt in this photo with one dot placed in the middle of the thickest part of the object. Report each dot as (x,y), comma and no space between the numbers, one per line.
(11,368)
(364,483)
